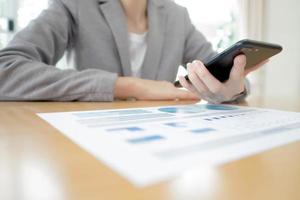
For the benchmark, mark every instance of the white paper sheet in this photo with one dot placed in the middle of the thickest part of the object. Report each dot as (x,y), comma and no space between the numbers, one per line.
(148,145)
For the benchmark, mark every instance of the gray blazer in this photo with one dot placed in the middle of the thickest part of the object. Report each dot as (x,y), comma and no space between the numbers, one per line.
(94,34)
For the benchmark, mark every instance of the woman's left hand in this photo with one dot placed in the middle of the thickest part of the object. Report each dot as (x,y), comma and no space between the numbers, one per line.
(206,86)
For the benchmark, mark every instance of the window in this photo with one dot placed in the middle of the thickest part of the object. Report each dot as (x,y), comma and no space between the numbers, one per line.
(216,19)
(16,14)
(29,10)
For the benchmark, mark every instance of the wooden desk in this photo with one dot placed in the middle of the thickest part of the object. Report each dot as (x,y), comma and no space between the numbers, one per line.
(37,162)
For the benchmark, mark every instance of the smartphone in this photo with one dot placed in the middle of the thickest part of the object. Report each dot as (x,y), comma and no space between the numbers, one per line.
(255,52)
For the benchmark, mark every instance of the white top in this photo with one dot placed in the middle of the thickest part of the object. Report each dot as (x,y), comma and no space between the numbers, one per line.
(138,49)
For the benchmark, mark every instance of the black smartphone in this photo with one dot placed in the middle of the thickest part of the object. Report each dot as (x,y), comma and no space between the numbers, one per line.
(255,52)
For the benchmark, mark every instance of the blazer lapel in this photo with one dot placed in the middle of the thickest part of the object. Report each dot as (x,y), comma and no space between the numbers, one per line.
(156,36)
(114,14)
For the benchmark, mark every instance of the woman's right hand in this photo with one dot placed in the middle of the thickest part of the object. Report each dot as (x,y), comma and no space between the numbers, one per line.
(141,89)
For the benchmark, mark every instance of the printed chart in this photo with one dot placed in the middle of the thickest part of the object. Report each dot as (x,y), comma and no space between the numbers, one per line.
(148,145)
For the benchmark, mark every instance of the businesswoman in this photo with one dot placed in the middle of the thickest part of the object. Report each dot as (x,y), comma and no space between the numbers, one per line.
(118,49)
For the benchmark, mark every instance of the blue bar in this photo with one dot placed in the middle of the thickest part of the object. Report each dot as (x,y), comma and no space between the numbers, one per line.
(203,130)
(111,113)
(134,129)
(176,124)
(145,139)
(131,129)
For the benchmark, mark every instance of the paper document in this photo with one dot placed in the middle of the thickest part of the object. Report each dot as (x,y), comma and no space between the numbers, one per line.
(148,145)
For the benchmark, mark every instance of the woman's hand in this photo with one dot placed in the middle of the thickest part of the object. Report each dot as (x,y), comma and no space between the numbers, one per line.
(206,86)
(141,89)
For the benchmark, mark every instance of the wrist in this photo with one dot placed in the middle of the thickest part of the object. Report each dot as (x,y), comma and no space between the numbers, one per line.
(125,88)
(238,97)
(242,96)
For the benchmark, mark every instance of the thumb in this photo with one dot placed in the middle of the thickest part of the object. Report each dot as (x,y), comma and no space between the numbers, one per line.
(237,71)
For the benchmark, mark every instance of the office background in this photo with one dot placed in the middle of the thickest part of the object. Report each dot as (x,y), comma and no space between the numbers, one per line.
(223,22)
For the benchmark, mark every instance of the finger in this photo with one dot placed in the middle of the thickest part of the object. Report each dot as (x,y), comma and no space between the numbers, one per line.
(187,85)
(196,81)
(251,69)
(208,80)
(237,71)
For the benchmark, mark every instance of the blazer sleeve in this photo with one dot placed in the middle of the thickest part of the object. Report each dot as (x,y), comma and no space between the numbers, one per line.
(196,45)
(27,71)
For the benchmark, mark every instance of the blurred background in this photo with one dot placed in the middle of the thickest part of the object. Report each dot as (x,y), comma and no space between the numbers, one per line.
(223,23)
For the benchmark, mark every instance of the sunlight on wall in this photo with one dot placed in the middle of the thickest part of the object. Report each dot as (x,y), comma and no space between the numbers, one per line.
(216,19)
(29,10)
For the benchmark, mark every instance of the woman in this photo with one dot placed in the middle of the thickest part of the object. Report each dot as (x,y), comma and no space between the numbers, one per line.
(120,49)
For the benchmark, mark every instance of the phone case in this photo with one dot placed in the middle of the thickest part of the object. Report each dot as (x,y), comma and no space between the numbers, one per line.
(255,52)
